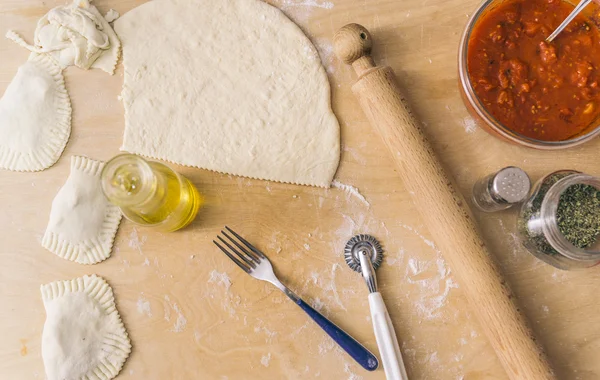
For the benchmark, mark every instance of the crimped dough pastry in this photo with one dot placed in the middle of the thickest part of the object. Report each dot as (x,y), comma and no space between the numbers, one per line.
(35,116)
(83,336)
(232,86)
(83,223)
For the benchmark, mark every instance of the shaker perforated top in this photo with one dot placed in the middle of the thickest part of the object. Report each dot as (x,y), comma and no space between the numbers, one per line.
(511,185)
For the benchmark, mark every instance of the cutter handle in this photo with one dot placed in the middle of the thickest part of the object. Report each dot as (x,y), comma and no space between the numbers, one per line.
(387,342)
(443,209)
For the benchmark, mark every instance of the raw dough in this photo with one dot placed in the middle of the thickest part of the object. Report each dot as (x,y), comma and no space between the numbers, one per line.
(83,336)
(232,86)
(111,15)
(83,223)
(35,117)
(75,34)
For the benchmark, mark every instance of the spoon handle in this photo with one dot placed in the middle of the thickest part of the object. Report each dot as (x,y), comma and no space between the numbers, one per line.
(582,4)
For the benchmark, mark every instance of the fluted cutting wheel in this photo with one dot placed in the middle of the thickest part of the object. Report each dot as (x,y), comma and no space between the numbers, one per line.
(358,244)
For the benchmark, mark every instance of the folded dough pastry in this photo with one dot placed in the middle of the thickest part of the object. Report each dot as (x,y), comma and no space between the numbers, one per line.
(232,86)
(35,116)
(83,336)
(83,223)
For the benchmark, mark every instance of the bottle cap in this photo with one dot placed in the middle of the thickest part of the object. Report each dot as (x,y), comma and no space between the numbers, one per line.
(510,185)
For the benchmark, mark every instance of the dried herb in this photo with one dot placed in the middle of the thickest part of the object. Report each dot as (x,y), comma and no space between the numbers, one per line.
(535,239)
(578,215)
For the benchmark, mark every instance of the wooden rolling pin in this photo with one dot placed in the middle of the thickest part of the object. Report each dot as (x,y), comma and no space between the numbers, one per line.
(443,209)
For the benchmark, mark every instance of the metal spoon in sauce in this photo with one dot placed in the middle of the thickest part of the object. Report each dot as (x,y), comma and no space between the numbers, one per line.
(582,4)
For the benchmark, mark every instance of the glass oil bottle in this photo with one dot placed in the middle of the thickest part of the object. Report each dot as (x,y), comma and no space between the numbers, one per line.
(150,193)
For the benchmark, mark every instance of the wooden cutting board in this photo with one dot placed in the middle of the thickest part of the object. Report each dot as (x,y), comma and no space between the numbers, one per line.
(192,314)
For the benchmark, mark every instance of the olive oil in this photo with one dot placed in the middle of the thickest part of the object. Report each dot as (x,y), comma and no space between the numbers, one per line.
(150,193)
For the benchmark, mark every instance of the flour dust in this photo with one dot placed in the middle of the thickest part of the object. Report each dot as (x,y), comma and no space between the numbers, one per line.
(469,124)
(350,191)
(180,320)
(143,306)
(221,279)
(136,242)
(301,10)
(265,359)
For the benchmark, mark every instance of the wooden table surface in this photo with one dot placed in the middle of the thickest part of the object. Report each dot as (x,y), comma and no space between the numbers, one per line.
(191,314)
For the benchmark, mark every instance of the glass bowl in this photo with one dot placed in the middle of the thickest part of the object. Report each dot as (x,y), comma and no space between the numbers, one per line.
(482,117)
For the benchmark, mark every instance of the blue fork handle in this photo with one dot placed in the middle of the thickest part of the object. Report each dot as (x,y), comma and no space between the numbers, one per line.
(362,356)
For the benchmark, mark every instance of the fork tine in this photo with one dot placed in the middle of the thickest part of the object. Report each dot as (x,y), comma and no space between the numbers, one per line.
(244,267)
(250,263)
(251,254)
(255,250)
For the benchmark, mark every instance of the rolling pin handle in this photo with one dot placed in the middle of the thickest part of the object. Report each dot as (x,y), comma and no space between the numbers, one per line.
(352,44)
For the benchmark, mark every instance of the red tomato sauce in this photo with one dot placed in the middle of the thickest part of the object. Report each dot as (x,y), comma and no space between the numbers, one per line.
(545,91)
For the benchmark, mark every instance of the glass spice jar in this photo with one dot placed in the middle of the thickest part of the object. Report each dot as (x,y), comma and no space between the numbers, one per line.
(501,190)
(560,223)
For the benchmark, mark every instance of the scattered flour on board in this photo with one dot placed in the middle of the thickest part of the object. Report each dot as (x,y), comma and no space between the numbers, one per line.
(425,240)
(326,346)
(432,278)
(321,202)
(317,304)
(181,321)
(143,306)
(355,155)
(391,260)
(301,10)
(265,359)
(513,241)
(135,242)
(325,50)
(167,312)
(349,227)
(146,262)
(220,279)
(307,247)
(273,243)
(351,375)
(545,309)
(307,3)
(328,286)
(261,328)
(350,191)
(469,124)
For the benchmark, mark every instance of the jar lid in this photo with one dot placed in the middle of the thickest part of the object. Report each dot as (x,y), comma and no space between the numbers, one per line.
(511,185)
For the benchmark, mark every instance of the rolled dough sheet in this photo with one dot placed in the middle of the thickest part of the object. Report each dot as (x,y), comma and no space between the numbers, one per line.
(232,86)
(83,336)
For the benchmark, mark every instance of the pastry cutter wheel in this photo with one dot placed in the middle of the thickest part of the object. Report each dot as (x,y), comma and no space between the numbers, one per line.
(364,254)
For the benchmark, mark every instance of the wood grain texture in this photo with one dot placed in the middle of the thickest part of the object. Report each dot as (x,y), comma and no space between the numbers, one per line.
(250,330)
(443,209)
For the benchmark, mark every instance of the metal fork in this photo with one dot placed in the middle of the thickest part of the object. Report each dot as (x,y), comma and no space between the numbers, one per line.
(257,265)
